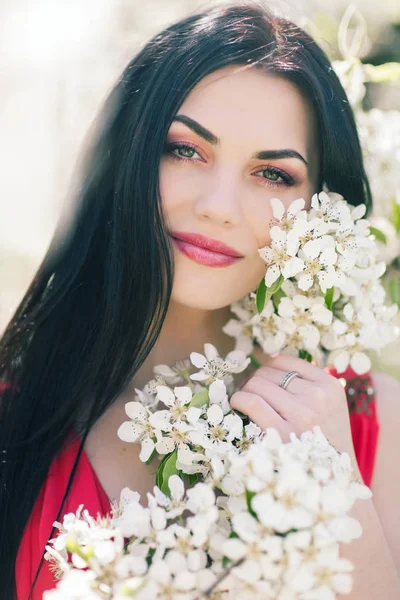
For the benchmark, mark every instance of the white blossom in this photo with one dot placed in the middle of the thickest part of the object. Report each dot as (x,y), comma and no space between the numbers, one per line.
(269,331)
(179,436)
(214,367)
(218,395)
(175,505)
(141,428)
(178,402)
(302,488)
(280,256)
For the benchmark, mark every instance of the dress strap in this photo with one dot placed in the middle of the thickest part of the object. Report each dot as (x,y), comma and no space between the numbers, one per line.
(361,399)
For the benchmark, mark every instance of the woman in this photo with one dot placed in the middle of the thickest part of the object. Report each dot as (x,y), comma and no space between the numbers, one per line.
(217,114)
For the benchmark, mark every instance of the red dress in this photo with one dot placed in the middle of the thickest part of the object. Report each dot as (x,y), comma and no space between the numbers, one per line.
(86,488)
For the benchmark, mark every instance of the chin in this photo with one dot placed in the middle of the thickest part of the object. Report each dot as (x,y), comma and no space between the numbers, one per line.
(208,296)
(201,301)
(208,288)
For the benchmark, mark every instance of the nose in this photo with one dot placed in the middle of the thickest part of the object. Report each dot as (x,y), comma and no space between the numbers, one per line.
(219,201)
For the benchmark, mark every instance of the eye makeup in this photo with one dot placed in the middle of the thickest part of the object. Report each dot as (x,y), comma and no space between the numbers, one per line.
(286,179)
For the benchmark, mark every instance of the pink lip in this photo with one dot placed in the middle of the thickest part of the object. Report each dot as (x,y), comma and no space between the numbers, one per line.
(204,250)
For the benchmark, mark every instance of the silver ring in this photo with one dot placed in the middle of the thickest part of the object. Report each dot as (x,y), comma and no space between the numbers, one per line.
(286,379)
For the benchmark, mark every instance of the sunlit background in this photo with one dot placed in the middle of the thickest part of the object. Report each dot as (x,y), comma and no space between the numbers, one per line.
(58,59)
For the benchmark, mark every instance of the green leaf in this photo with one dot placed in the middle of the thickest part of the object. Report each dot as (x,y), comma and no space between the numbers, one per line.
(152,455)
(264,293)
(305,355)
(200,399)
(160,470)
(227,561)
(260,296)
(275,287)
(378,234)
(329,297)
(276,298)
(249,498)
(255,363)
(193,477)
(150,555)
(168,470)
(388,72)
(394,290)
(396,215)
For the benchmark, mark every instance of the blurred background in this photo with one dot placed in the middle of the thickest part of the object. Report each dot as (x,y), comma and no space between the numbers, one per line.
(59,59)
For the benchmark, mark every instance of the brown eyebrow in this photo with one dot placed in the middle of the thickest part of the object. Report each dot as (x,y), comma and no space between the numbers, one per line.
(214,140)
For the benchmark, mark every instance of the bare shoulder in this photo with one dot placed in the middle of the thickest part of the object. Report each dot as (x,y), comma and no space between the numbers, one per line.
(387,398)
(385,483)
(387,390)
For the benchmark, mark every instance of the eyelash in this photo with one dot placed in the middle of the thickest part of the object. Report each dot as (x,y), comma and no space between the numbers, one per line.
(287,179)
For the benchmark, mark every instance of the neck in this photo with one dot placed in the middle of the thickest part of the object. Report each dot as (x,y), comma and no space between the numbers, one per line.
(185,330)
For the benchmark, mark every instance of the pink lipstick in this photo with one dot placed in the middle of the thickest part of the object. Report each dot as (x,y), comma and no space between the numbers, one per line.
(204,250)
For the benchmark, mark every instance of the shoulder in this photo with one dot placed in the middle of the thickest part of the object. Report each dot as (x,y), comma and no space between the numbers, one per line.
(385,483)
(387,400)
(387,394)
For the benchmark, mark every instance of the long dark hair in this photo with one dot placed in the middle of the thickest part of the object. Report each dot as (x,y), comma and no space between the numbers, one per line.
(97,302)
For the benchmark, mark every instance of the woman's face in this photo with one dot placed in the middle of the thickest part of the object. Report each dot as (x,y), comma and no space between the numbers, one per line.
(213,184)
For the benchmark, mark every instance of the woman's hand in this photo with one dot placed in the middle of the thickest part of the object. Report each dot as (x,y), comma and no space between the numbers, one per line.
(317,398)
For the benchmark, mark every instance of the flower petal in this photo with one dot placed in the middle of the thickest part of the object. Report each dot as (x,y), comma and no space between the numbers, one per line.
(246,527)
(183,393)
(286,308)
(165,445)
(296,206)
(292,242)
(328,257)
(164,370)
(305,281)
(199,376)
(193,415)
(267,254)
(147,449)
(136,411)
(341,361)
(278,208)
(176,487)
(234,549)
(165,395)
(129,431)
(360,363)
(272,275)
(278,237)
(211,352)
(217,391)
(215,415)
(198,360)
(161,420)
(292,267)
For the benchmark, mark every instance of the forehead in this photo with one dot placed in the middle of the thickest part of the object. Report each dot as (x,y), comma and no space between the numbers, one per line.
(263,109)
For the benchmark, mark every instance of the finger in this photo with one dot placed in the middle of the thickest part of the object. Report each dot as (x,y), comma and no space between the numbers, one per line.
(287,362)
(282,402)
(258,410)
(297,385)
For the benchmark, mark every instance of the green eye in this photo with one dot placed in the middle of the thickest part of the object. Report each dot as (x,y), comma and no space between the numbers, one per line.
(275,177)
(274,174)
(186,151)
(181,151)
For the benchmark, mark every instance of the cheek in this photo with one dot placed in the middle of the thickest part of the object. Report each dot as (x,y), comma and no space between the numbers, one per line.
(176,184)
(259,218)
(169,187)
